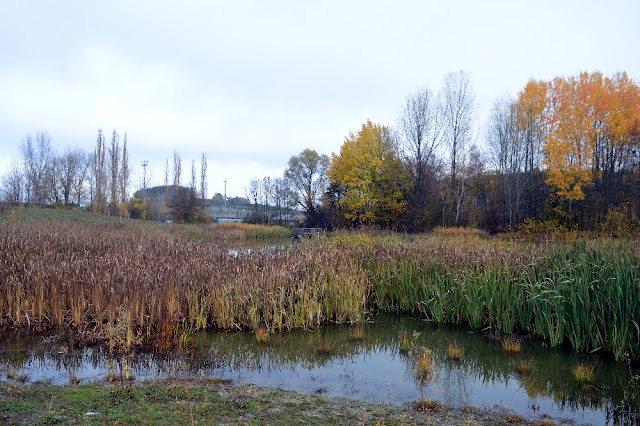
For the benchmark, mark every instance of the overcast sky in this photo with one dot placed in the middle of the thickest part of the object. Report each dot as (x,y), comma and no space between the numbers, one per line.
(251,83)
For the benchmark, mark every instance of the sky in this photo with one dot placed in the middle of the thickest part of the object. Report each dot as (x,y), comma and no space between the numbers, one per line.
(252,83)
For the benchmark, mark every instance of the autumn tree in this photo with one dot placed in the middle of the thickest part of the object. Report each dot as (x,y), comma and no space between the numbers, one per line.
(568,152)
(370,177)
(306,174)
(531,119)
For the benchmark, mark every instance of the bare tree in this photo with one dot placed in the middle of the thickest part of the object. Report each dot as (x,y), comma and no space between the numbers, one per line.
(81,178)
(114,170)
(13,184)
(281,197)
(420,126)
(35,159)
(51,183)
(31,168)
(177,169)
(266,192)
(124,171)
(253,192)
(508,150)
(203,177)
(71,166)
(192,184)
(99,175)
(458,109)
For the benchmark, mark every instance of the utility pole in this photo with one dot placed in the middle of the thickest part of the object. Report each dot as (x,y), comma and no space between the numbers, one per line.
(145,163)
(225,196)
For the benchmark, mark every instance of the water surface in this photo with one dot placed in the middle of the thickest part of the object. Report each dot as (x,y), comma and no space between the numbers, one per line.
(372,369)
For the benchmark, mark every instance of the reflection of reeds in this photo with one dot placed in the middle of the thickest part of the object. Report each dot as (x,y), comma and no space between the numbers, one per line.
(357,333)
(455,351)
(408,340)
(583,373)
(58,274)
(524,367)
(324,348)
(262,334)
(511,344)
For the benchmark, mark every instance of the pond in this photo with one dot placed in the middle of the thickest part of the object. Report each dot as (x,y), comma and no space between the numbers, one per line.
(535,382)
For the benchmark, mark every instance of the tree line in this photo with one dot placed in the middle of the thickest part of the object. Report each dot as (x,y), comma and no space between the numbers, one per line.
(72,178)
(564,153)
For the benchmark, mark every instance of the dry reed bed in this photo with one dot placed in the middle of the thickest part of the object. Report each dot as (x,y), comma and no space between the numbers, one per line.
(56,275)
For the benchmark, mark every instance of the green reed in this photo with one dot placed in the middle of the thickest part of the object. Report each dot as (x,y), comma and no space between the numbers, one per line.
(585,292)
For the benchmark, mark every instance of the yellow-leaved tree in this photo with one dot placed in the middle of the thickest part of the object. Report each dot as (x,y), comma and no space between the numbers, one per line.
(368,178)
(568,149)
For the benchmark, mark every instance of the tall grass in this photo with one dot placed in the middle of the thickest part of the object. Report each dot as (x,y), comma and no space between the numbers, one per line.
(585,293)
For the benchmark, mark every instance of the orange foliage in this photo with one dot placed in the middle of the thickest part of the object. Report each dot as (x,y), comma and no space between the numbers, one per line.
(588,123)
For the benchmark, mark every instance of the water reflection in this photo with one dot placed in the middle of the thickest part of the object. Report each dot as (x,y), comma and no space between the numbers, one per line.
(373,368)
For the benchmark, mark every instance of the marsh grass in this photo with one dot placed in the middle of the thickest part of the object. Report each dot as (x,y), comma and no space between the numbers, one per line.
(59,274)
(427,405)
(424,365)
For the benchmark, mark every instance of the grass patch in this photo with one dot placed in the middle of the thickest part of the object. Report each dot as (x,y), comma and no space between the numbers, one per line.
(17,214)
(167,402)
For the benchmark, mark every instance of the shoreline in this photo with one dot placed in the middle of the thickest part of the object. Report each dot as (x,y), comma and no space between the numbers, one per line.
(218,401)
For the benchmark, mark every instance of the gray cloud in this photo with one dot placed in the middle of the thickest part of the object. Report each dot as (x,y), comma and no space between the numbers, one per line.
(251,83)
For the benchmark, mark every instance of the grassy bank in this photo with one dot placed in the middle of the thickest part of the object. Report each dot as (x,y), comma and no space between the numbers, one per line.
(154,278)
(174,401)
(219,232)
